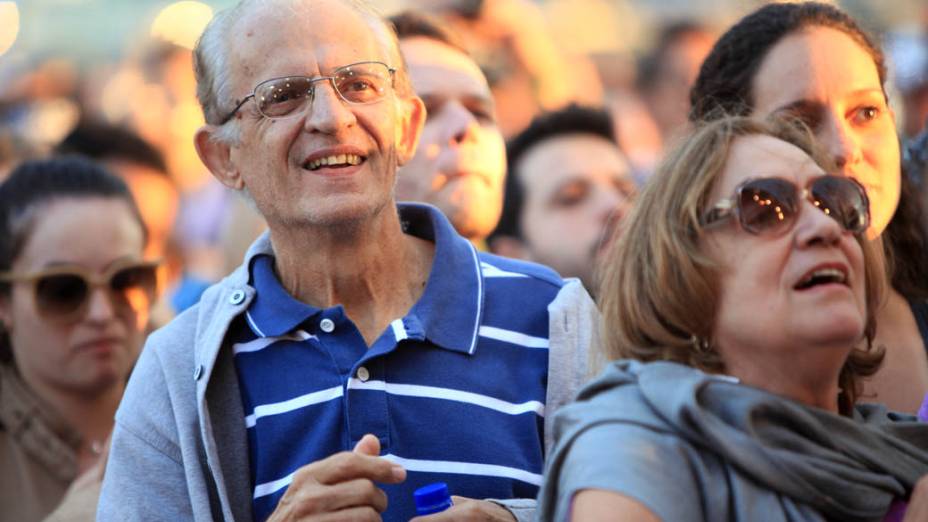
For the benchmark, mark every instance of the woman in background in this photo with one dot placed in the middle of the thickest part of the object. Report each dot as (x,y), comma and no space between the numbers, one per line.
(742,294)
(812,61)
(75,293)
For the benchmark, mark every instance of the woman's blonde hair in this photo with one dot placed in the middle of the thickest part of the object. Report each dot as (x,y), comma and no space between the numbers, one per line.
(658,291)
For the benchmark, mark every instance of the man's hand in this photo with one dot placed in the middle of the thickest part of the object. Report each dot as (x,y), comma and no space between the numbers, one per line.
(470,510)
(340,487)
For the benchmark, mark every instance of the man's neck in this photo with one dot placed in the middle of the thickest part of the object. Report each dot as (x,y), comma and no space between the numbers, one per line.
(374,270)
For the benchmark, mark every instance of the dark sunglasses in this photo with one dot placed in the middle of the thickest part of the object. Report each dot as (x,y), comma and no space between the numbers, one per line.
(62,293)
(771,205)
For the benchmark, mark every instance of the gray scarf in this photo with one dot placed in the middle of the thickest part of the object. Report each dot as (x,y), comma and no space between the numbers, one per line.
(844,468)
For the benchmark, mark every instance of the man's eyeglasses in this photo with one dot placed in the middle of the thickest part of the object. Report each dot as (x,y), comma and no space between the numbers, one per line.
(357,83)
(63,293)
(771,205)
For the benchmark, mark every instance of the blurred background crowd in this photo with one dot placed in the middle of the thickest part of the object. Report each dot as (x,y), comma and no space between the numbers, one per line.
(113,80)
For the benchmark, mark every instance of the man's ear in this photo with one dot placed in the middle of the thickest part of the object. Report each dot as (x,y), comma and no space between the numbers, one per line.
(508,246)
(411,112)
(216,155)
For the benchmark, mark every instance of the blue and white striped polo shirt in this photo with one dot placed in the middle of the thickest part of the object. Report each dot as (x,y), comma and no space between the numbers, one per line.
(455,390)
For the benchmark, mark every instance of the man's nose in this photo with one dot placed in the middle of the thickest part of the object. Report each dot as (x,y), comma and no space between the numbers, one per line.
(460,122)
(328,112)
(612,203)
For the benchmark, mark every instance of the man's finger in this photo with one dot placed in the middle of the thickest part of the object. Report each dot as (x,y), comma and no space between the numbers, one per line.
(357,493)
(368,445)
(346,466)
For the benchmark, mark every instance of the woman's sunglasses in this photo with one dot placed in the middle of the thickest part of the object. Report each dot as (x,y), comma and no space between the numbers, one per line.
(62,293)
(771,205)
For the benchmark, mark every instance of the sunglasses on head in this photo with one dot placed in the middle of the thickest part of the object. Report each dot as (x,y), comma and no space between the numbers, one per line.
(771,205)
(63,293)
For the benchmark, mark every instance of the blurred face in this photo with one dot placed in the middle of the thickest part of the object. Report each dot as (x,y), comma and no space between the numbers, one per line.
(461,159)
(796,293)
(333,163)
(95,349)
(670,100)
(824,77)
(574,186)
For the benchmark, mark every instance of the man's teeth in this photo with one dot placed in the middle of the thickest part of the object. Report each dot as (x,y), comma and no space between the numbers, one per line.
(337,159)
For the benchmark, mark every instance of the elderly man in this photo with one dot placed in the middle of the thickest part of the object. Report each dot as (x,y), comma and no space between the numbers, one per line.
(460,163)
(568,185)
(362,350)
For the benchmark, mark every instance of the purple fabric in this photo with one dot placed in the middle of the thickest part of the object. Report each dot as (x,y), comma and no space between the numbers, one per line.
(923,410)
(896,511)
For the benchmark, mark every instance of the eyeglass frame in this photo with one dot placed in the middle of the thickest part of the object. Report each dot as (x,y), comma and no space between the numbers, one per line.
(92,279)
(728,207)
(312,82)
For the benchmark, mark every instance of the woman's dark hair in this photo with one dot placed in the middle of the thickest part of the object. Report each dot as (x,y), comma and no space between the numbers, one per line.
(724,86)
(34,184)
(727,74)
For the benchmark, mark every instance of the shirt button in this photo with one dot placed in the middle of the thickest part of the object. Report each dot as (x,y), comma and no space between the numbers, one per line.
(237,297)
(327,325)
(363,374)
(198,372)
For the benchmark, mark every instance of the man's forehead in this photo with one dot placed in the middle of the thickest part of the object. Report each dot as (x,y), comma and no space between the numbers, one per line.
(434,65)
(573,154)
(281,37)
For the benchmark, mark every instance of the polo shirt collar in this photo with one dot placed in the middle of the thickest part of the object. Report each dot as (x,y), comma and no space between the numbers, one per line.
(450,309)
(448,314)
(273,312)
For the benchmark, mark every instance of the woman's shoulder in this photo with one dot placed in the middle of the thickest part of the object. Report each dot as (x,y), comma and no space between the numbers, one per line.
(611,439)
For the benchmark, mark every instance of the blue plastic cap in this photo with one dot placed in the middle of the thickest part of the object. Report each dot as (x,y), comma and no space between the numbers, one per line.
(433,498)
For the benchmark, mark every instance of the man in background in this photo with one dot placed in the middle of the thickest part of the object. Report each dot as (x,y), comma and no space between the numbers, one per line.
(568,185)
(461,161)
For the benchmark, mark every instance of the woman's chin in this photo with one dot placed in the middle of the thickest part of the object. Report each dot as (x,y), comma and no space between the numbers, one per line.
(842,330)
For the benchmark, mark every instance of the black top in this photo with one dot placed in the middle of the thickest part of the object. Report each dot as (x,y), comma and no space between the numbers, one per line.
(920,311)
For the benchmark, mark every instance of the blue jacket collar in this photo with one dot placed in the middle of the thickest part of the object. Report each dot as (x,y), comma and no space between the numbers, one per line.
(448,314)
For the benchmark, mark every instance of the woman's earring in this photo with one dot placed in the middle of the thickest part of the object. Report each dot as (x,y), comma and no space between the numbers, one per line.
(700,344)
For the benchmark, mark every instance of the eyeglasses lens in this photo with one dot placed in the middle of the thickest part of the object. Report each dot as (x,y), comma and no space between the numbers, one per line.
(283,96)
(60,295)
(767,204)
(844,200)
(64,295)
(134,287)
(359,83)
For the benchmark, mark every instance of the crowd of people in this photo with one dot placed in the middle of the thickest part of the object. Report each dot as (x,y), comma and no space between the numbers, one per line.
(331,263)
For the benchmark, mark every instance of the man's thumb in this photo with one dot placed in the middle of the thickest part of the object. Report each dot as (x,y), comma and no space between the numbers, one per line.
(368,445)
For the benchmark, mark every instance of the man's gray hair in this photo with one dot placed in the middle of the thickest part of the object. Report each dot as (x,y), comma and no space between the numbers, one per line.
(211,59)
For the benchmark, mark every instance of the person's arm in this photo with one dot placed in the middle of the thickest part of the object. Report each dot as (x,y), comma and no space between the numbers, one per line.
(593,505)
(917,509)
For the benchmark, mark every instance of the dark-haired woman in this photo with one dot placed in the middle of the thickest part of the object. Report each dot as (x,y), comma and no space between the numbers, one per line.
(812,61)
(75,293)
